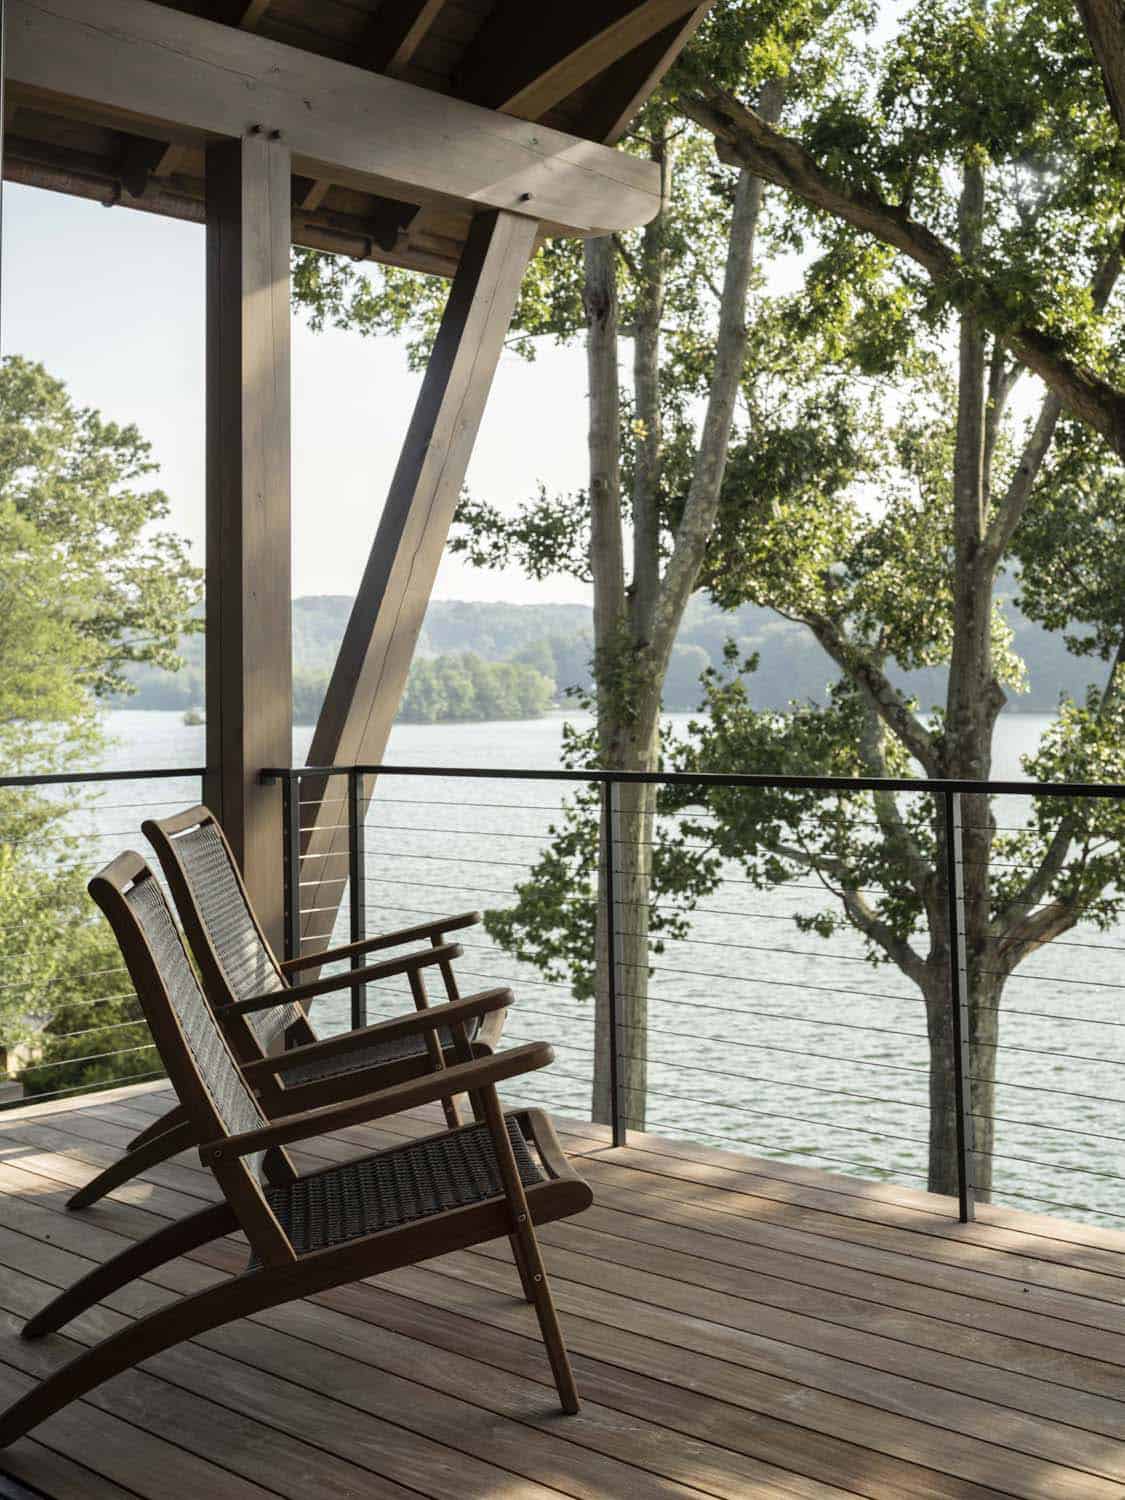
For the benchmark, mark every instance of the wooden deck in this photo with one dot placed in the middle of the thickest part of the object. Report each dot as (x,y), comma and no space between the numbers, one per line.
(739,1328)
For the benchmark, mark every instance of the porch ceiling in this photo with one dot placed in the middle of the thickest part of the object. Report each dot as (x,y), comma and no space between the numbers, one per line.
(582,69)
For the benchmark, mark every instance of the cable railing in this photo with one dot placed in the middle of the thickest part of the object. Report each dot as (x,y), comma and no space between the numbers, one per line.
(748,1011)
(967,1067)
(70,1023)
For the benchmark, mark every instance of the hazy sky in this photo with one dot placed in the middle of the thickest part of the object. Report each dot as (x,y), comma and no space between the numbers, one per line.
(111,301)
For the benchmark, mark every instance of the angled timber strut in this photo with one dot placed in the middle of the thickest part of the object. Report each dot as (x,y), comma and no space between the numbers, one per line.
(307,1232)
(260,1003)
(447,136)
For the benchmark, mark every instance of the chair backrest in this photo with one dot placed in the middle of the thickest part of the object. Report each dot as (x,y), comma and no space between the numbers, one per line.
(192,1047)
(235,960)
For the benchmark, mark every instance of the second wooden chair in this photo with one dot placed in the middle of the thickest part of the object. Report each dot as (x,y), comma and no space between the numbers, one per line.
(262,1009)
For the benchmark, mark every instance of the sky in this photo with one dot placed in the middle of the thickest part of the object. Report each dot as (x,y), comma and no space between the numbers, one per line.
(111,301)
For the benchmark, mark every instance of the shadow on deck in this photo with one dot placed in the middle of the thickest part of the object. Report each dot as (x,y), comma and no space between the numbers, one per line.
(739,1328)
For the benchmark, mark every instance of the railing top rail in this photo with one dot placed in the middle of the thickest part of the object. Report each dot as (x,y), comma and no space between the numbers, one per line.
(713,779)
(71,778)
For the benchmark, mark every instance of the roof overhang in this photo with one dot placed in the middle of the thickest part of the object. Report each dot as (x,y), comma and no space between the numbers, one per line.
(162,80)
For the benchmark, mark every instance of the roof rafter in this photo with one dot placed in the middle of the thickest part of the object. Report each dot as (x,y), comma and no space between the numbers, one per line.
(396,33)
(527,72)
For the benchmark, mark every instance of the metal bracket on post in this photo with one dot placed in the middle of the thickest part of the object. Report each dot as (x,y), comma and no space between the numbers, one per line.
(959,1003)
(291,863)
(617,1114)
(357,888)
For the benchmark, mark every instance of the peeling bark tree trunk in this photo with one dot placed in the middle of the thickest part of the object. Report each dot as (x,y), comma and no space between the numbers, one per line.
(634,632)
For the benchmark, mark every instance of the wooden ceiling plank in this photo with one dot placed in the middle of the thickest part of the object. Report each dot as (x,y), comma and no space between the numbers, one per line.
(396,33)
(132,59)
(527,72)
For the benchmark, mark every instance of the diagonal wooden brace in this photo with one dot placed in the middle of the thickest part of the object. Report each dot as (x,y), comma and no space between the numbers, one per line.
(370,673)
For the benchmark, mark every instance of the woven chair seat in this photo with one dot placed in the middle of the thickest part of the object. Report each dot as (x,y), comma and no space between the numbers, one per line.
(396,1187)
(370,1055)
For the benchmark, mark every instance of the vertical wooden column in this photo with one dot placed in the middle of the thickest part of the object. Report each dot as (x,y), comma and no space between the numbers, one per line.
(370,672)
(249,666)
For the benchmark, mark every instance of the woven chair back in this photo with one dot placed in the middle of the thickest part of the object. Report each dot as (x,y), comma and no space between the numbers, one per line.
(192,1047)
(229,943)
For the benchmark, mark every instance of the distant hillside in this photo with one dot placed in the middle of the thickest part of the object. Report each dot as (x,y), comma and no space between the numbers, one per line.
(555,640)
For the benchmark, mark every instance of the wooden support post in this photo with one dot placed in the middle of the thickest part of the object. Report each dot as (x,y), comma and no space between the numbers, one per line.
(249,669)
(370,673)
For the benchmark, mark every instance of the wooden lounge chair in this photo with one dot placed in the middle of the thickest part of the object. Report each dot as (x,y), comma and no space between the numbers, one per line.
(309,1231)
(262,1008)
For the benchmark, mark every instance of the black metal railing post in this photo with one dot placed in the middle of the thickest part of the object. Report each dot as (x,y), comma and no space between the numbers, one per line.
(291,863)
(357,887)
(959,1002)
(617,1114)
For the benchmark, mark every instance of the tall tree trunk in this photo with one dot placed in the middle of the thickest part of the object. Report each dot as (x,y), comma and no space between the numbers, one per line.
(632,654)
(974,699)
(983,1031)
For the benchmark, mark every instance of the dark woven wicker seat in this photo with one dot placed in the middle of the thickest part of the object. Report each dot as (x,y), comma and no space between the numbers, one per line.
(314,1231)
(396,1187)
(261,1003)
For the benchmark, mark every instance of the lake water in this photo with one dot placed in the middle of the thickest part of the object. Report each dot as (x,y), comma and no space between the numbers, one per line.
(760,1036)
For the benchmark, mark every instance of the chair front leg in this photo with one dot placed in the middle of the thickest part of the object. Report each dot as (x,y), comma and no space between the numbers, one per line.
(533,1273)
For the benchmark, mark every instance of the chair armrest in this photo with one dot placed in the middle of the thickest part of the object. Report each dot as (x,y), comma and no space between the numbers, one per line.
(431,1019)
(409,963)
(431,930)
(482,1072)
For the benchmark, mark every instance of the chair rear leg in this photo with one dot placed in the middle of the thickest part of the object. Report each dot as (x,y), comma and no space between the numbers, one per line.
(158,1148)
(521,1267)
(185,1318)
(165,1122)
(174,1239)
(544,1305)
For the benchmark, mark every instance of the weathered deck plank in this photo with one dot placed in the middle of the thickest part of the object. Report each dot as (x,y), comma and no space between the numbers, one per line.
(740,1328)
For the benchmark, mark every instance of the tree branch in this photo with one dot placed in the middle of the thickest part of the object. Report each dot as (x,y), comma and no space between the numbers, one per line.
(744,137)
(877,931)
(890,704)
(1102,20)
(1051,865)
(1011,509)
(693,533)
(897,836)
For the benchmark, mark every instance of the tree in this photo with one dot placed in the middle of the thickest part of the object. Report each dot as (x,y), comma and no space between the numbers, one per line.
(88,584)
(839,169)
(889,480)
(677,291)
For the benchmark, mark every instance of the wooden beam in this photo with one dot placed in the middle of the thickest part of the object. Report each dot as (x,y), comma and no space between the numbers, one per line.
(526,70)
(397,31)
(370,672)
(249,666)
(134,60)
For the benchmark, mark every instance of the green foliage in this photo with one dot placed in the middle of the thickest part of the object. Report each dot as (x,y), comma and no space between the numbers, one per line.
(457,688)
(88,590)
(552,922)
(77,486)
